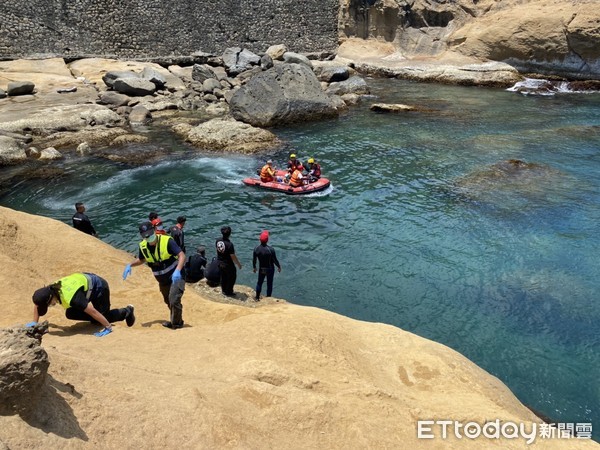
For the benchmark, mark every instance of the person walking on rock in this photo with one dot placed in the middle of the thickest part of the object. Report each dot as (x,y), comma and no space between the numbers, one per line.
(267,260)
(85,296)
(227,261)
(166,260)
(82,222)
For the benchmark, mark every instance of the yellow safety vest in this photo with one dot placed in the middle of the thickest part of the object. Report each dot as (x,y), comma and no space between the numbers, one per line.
(161,249)
(69,286)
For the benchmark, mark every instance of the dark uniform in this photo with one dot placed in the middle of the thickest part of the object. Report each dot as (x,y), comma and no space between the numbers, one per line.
(194,268)
(179,236)
(228,271)
(267,260)
(212,273)
(83,223)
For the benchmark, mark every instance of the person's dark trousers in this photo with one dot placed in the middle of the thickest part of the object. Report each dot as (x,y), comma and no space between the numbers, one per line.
(262,274)
(175,295)
(172,293)
(228,277)
(100,301)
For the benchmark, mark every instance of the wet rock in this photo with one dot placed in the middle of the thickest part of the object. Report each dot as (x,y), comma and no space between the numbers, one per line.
(23,367)
(15,88)
(10,151)
(50,154)
(396,108)
(96,136)
(129,139)
(84,149)
(3,94)
(140,115)
(227,135)
(286,93)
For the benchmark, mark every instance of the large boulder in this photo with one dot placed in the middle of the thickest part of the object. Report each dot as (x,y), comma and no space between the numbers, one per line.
(23,367)
(236,60)
(203,72)
(353,85)
(227,135)
(134,86)
(111,76)
(20,88)
(286,93)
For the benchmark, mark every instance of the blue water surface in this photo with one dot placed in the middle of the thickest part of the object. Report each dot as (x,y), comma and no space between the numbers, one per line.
(423,228)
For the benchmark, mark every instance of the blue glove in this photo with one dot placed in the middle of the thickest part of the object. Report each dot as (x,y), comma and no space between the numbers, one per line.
(103,332)
(127,271)
(176,276)
(30,324)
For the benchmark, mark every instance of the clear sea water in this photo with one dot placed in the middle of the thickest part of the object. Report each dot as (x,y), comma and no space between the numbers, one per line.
(418,229)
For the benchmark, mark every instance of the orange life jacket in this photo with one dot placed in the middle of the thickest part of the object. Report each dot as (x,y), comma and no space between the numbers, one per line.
(296,179)
(267,173)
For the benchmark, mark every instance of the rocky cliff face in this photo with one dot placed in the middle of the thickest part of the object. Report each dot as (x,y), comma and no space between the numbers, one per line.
(545,36)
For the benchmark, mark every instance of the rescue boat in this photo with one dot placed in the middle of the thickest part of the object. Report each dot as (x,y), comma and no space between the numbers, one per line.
(280,186)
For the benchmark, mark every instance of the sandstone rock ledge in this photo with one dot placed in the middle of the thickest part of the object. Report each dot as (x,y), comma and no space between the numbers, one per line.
(274,376)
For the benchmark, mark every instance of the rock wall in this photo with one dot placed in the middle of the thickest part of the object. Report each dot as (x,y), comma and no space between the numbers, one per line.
(558,37)
(162,28)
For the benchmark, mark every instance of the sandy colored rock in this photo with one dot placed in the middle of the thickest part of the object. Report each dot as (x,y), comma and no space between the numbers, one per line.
(273,376)
(228,135)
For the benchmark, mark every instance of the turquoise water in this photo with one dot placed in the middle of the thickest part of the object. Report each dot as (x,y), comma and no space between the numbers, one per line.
(416,231)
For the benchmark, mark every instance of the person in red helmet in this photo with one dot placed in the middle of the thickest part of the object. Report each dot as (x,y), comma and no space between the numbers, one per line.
(267,260)
(158,226)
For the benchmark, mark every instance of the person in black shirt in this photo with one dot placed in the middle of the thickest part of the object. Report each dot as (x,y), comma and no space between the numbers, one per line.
(267,260)
(212,273)
(81,221)
(85,296)
(227,259)
(194,266)
(176,232)
(166,260)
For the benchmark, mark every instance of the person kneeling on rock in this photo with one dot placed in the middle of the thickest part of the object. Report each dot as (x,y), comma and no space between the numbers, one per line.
(85,296)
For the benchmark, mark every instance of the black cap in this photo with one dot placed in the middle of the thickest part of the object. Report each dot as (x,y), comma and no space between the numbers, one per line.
(181,219)
(42,298)
(146,229)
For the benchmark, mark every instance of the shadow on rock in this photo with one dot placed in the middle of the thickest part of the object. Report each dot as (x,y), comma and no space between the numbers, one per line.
(52,413)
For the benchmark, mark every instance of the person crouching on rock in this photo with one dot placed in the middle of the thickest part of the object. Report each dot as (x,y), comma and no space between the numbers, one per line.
(85,296)
(165,258)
